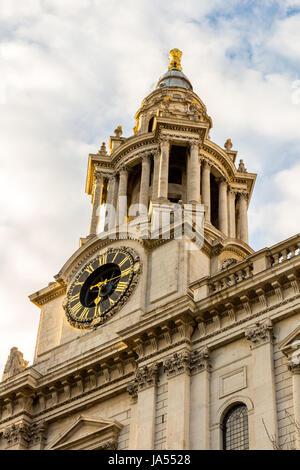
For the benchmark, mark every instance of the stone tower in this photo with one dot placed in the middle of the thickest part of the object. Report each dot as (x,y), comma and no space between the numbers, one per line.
(164,330)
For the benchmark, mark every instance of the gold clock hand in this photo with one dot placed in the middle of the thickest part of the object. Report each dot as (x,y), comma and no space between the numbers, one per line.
(98,285)
(104,282)
(98,299)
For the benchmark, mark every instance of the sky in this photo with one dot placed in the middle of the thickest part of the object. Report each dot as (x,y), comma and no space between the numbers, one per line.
(72,71)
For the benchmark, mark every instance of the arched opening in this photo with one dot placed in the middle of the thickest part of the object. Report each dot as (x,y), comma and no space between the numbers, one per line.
(235,428)
(150,124)
(175,175)
(214,200)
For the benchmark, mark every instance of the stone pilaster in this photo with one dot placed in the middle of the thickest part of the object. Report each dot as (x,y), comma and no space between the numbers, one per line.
(294,367)
(260,336)
(200,397)
(143,388)
(178,429)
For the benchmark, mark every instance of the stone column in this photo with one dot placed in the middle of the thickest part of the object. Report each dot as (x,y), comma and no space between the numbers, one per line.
(155,177)
(145,179)
(223,206)
(111,201)
(122,195)
(96,201)
(243,217)
(194,173)
(178,426)
(144,386)
(231,214)
(294,366)
(260,336)
(200,398)
(163,181)
(206,190)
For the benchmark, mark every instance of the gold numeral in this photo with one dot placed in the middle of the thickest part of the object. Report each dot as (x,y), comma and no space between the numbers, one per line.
(124,261)
(125,272)
(89,269)
(84,314)
(76,308)
(103,259)
(116,254)
(98,311)
(75,297)
(121,286)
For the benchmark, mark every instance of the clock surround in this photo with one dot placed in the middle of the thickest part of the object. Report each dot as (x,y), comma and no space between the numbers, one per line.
(102,287)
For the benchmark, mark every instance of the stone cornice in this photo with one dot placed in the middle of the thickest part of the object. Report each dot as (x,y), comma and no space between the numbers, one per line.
(55,289)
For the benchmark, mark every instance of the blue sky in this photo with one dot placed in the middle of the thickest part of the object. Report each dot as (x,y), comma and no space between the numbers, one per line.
(72,71)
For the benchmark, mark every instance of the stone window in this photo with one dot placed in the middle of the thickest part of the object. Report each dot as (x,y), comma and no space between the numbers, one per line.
(235,428)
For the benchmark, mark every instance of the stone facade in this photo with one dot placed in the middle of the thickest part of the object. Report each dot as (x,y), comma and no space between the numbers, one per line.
(202,330)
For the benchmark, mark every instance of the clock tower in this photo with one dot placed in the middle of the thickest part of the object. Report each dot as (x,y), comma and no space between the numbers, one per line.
(164,330)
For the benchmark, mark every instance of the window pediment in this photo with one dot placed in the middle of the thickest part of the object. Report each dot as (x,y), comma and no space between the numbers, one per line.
(88,433)
(291,343)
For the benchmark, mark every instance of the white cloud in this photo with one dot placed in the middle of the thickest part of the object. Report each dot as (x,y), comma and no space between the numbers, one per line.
(285,40)
(279,219)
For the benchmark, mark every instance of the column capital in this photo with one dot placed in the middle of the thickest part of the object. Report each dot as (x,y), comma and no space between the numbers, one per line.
(260,333)
(124,169)
(206,164)
(17,434)
(200,360)
(164,140)
(112,177)
(145,377)
(221,180)
(243,195)
(98,176)
(194,143)
(145,158)
(178,363)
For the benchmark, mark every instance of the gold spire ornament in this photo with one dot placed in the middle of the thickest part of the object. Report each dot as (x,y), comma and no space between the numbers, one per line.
(175,59)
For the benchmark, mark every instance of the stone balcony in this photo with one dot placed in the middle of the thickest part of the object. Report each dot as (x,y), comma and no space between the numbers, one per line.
(267,282)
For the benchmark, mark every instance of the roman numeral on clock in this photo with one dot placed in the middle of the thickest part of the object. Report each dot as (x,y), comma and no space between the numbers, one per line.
(121,286)
(76,308)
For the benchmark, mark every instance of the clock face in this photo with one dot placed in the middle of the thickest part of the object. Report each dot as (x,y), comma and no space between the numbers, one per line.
(100,287)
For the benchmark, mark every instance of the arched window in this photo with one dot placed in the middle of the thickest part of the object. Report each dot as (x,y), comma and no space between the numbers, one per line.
(150,125)
(235,428)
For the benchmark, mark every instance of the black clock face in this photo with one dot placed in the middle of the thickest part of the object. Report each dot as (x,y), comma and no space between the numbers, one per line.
(99,287)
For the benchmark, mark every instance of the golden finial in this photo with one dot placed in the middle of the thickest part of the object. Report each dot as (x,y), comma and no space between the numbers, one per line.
(175,58)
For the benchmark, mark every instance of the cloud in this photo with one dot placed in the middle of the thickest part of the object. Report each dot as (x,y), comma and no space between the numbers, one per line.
(72,71)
